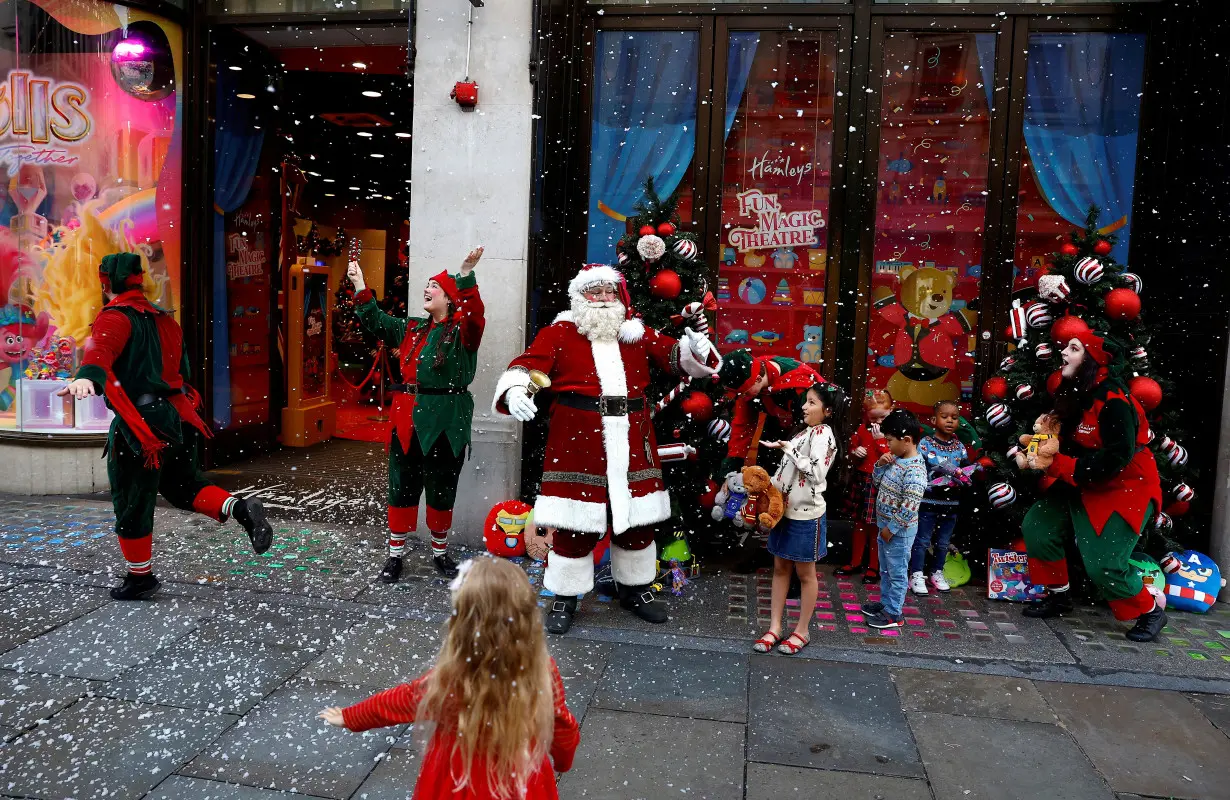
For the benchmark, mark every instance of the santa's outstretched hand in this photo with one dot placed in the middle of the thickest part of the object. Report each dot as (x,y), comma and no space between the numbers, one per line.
(520,404)
(355,273)
(700,346)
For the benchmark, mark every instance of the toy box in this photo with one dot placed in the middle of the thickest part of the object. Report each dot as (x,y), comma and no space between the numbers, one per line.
(1008,577)
(40,408)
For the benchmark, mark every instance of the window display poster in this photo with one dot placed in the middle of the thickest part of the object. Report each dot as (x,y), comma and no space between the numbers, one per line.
(248,287)
(315,342)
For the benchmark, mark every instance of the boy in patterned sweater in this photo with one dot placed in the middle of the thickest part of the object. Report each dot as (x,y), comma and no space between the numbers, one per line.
(944,455)
(901,479)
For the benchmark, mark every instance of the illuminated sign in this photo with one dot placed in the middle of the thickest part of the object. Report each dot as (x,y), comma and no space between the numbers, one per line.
(42,114)
(774,227)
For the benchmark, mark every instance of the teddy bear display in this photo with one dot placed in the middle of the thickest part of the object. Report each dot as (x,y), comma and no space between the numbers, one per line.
(1038,450)
(1193,581)
(764,507)
(728,503)
(811,348)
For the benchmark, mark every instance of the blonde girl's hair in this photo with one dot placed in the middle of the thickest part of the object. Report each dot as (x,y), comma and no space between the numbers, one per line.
(492,682)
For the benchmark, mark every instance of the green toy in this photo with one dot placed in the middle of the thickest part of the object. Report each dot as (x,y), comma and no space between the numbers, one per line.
(956,570)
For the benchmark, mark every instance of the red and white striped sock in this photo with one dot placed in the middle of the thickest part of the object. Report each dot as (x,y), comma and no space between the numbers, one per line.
(397,544)
(439,543)
(139,554)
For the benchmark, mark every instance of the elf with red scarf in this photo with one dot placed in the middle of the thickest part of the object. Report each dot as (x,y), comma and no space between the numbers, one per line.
(135,359)
(432,408)
(1102,487)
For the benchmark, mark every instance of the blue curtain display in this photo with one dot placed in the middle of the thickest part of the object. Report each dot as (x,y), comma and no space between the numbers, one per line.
(985,42)
(739,57)
(1082,115)
(237,152)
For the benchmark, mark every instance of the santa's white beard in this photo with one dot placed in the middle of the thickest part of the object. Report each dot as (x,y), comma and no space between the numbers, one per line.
(598,322)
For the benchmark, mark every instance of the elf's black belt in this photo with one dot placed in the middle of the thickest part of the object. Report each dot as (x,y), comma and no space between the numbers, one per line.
(150,399)
(414,388)
(605,405)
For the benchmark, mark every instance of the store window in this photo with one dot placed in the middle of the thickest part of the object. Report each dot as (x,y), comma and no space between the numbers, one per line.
(90,143)
(930,209)
(1082,118)
(776,180)
(644,127)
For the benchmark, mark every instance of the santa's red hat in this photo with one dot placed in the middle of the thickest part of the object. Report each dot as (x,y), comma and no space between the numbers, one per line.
(594,274)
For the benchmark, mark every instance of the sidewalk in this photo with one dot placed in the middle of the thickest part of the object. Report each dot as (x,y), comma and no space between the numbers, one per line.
(211,690)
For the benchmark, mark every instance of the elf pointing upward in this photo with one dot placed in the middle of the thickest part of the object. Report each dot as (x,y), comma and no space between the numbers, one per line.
(433,408)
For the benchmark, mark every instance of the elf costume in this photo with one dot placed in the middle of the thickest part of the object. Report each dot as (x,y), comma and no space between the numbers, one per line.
(1103,488)
(780,401)
(432,411)
(135,359)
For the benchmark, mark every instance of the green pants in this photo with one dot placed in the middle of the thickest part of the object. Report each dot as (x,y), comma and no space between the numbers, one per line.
(1059,516)
(135,487)
(413,472)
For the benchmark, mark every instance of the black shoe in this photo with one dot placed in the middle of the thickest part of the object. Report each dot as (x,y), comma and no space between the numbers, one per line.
(641,602)
(1055,604)
(445,565)
(559,617)
(882,621)
(1148,626)
(251,515)
(795,591)
(136,587)
(391,571)
(871,609)
(871,576)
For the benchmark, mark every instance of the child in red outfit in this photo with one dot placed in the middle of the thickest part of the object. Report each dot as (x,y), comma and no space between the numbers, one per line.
(487,743)
(866,446)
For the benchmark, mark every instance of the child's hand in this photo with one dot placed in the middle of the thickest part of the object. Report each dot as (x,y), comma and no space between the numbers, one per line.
(778,445)
(887,458)
(886,535)
(875,430)
(859,452)
(333,716)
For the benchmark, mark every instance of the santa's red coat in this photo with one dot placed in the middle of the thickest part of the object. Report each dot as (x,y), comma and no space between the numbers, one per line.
(592,461)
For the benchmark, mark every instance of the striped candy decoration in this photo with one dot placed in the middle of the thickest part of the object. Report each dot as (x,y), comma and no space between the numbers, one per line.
(1008,363)
(998,416)
(1044,351)
(1089,270)
(670,396)
(622,258)
(1001,495)
(694,315)
(1013,451)
(1016,320)
(676,452)
(1163,521)
(1133,281)
(1139,355)
(1024,391)
(1039,316)
(1178,456)
(1184,493)
(720,429)
(685,248)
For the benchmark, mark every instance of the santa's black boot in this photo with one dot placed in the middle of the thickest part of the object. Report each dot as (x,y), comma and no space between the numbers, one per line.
(1148,626)
(1055,604)
(251,515)
(559,617)
(391,571)
(136,587)
(445,565)
(640,601)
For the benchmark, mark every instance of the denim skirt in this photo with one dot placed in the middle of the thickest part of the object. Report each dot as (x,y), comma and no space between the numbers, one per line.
(799,539)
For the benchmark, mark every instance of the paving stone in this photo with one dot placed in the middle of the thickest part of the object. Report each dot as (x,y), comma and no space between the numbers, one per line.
(280,625)
(1215,707)
(104,643)
(106,748)
(830,716)
(228,677)
(178,787)
(282,745)
(393,778)
(25,699)
(624,755)
(774,782)
(971,758)
(971,695)
(378,654)
(1144,741)
(676,682)
(32,609)
(581,665)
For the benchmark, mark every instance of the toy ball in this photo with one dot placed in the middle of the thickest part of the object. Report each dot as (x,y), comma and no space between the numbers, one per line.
(1122,304)
(1024,391)
(1133,281)
(1067,328)
(504,530)
(752,291)
(1044,351)
(720,429)
(1068,249)
(685,248)
(1193,581)
(697,405)
(1038,316)
(1089,270)
(1001,495)
(998,416)
(1184,493)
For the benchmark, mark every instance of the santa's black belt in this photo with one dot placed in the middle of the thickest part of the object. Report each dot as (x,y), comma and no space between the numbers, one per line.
(607,406)
(414,388)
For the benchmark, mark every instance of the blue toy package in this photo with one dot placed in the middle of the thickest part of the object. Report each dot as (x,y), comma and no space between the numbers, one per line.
(1193,581)
(1008,577)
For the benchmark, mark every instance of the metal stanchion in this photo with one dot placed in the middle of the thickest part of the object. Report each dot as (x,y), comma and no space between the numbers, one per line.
(382,360)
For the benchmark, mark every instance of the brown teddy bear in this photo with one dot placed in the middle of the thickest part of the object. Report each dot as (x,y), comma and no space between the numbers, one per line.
(1038,451)
(764,507)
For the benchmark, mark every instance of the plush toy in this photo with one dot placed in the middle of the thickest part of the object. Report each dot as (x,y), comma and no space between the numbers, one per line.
(730,499)
(764,507)
(505,528)
(1192,581)
(1038,451)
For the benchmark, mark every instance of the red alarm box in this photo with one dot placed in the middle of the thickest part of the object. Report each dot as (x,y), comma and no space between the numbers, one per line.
(465,93)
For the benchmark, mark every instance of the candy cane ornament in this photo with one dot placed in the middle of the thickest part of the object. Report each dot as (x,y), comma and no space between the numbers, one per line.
(694,314)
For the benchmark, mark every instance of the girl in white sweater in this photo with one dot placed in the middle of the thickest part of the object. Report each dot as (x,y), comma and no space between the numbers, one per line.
(798,541)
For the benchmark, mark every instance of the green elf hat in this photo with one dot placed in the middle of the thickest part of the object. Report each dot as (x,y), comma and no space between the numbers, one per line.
(120,272)
(736,368)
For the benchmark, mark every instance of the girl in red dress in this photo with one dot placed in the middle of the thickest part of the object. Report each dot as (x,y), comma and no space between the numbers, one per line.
(495,697)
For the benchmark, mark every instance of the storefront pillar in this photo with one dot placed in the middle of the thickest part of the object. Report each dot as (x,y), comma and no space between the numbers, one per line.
(1219,536)
(471,186)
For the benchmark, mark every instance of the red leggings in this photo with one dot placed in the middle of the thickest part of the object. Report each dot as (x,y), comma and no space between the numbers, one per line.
(578,544)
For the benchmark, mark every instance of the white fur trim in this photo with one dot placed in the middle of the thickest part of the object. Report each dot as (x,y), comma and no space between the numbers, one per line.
(631,331)
(633,567)
(613,380)
(568,576)
(571,515)
(592,275)
(564,316)
(649,509)
(511,378)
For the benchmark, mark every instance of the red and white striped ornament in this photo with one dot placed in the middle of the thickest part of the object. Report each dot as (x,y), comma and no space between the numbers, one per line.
(1017,323)
(1184,493)
(622,258)
(1024,391)
(1133,281)
(1139,355)
(998,416)
(694,316)
(1013,451)
(1038,315)
(685,249)
(1008,363)
(676,452)
(1163,522)
(1178,456)
(1044,351)
(1152,436)
(1089,270)
(1001,495)
(670,396)
(719,429)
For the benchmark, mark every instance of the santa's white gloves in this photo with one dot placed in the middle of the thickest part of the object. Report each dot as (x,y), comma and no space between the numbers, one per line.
(699,344)
(520,404)
(355,273)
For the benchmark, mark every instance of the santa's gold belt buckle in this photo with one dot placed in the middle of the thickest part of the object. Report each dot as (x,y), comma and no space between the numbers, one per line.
(620,408)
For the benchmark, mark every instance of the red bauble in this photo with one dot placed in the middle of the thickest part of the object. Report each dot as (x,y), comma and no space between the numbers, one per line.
(1068,249)
(995,389)
(709,496)
(666,284)
(1067,328)
(1147,391)
(1122,304)
(1102,248)
(1178,508)
(1052,382)
(698,406)
(647,230)
(666,229)
(987,465)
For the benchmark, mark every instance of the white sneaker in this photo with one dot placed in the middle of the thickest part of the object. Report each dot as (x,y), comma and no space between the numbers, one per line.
(918,583)
(938,581)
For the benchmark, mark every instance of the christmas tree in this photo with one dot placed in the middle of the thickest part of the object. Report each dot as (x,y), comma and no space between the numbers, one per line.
(1083,288)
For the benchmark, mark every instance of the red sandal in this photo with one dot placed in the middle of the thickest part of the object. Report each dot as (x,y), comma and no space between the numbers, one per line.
(765,643)
(789,647)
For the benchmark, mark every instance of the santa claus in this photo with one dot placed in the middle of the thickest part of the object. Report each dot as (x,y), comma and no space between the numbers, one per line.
(601,472)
